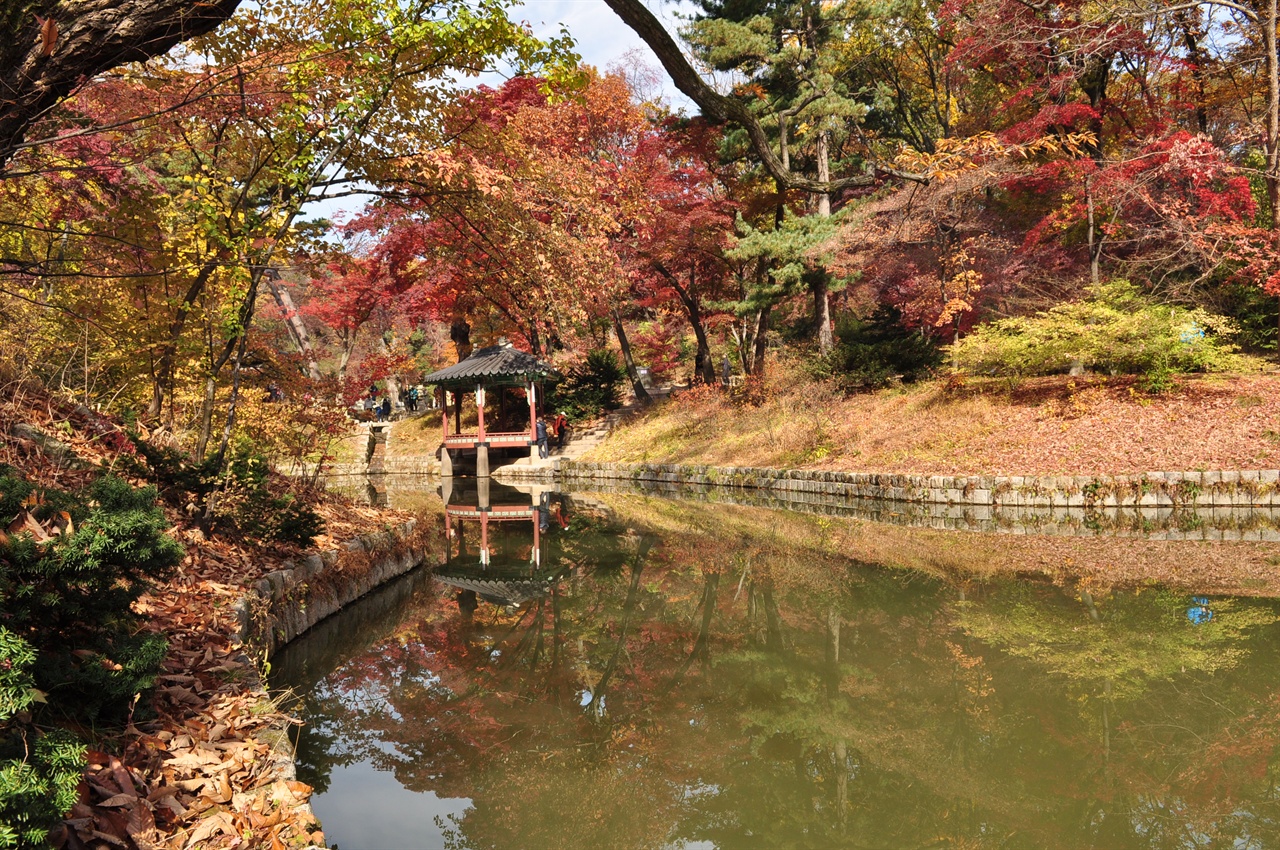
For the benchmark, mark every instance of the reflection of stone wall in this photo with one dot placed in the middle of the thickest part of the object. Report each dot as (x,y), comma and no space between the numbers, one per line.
(1173,506)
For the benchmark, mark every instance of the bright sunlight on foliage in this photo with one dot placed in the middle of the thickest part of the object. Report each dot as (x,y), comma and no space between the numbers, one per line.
(1115,330)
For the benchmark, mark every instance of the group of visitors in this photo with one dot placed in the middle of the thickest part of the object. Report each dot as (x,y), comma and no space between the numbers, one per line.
(557,429)
(378,406)
(379,409)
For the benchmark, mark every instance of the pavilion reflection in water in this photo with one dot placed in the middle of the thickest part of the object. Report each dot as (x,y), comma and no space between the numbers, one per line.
(496,540)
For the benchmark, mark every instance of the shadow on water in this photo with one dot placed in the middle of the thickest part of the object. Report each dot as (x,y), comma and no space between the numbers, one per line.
(638,675)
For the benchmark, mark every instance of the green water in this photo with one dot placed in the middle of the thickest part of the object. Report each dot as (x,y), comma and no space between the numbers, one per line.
(664,677)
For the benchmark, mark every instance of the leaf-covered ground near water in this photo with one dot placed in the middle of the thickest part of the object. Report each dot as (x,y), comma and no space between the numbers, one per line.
(200,772)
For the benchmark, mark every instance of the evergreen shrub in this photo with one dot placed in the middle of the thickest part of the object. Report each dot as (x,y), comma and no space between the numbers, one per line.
(1116,330)
(72,651)
(877,351)
(591,387)
(39,771)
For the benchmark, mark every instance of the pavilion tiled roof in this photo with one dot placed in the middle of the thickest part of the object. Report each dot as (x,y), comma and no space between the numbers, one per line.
(511,592)
(500,363)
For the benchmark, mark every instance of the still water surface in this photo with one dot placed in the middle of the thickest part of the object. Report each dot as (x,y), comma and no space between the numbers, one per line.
(648,674)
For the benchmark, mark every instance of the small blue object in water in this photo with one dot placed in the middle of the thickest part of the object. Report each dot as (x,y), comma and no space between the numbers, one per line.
(1199,613)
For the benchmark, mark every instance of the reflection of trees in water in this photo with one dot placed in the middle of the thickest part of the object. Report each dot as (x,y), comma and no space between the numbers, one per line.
(736,689)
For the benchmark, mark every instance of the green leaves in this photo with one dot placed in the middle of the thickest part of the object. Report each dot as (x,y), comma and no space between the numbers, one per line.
(1116,329)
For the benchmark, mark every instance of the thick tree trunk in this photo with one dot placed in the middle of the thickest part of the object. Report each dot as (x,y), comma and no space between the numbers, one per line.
(53,47)
(460,334)
(822,312)
(637,386)
(704,370)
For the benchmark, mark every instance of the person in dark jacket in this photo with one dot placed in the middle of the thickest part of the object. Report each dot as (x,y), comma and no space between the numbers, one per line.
(540,430)
(384,412)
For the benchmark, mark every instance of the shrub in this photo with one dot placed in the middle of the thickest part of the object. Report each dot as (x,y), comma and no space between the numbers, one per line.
(38,771)
(591,387)
(877,351)
(1115,330)
(70,596)
(71,649)
(248,498)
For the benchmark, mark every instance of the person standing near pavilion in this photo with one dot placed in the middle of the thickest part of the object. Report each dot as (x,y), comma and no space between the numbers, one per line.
(561,425)
(540,431)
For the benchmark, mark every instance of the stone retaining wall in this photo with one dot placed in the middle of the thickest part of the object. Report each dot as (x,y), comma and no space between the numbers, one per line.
(287,602)
(1148,490)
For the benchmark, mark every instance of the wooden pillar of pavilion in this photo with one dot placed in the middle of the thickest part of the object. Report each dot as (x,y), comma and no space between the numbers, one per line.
(482,446)
(533,420)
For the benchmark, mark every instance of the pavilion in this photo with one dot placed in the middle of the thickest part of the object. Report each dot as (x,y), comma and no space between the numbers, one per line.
(509,371)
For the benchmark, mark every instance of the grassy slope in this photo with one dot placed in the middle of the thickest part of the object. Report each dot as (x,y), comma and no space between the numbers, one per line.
(1056,425)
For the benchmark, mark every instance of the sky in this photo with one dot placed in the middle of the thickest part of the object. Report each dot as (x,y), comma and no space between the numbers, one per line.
(602,38)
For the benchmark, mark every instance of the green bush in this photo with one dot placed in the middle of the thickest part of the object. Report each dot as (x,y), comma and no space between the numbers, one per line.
(1254,311)
(877,351)
(71,649)
(1115,330)
(593,386)
(39,771)
(70,596)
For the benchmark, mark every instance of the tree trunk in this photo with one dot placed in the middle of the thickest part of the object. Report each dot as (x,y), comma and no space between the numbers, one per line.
(163,382)
(54,47)
(703,368)
(1094,250)
(460,334)
(206,416)
(822,312)
(1193,40)
(762,329)
(1273,117)
(229,425)
(822,288)
(393,382)
(297,328)
(637,386)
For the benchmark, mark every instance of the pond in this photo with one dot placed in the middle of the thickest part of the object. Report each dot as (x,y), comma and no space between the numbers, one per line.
(624,671)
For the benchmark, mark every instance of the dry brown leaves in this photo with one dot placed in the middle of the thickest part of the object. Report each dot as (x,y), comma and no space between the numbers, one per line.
(201,774)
